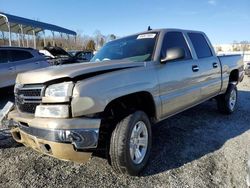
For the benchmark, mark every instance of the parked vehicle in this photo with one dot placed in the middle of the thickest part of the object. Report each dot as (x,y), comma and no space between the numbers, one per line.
(84,56)
(139,80)
(14,60)
(58,56)
(72,52)
(247,69)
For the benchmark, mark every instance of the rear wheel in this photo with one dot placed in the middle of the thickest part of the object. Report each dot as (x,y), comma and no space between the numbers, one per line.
(131,144)
(227,103)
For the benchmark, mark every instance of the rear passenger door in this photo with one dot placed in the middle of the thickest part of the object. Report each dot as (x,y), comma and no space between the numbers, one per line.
(178,81)
(7,69)
(208,64)
(23,60)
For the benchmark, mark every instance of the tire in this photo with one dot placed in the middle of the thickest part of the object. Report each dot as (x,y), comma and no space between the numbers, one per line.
(123,144)
(227,103)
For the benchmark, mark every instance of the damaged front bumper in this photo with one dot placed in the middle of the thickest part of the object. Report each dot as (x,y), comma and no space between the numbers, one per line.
(66,139)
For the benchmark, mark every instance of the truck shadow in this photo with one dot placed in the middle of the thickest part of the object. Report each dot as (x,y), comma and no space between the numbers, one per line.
(194,133)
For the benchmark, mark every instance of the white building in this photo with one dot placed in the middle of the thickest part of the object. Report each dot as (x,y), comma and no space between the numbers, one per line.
(223,47)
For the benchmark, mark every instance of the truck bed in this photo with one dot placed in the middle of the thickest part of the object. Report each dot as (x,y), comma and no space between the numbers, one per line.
(229,63)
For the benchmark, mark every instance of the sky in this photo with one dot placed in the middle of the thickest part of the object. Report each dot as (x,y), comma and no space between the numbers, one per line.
(224,21)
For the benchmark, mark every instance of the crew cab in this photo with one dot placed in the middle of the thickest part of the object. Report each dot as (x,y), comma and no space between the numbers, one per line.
(110,104)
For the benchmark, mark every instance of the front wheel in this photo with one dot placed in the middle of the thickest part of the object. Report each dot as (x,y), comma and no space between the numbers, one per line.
(131,144)
(227,102)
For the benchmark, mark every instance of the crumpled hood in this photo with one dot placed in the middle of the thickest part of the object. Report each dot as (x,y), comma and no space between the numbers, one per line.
(73,71)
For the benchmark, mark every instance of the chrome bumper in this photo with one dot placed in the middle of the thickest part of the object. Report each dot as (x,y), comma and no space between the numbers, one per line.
(80,138)
(82,133)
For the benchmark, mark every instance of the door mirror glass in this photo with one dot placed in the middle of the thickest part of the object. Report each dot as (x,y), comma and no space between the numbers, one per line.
(173,54)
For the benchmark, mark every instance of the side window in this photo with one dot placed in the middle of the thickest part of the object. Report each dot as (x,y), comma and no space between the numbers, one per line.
(4,56)
(19,55)
(175,39)
(200,44)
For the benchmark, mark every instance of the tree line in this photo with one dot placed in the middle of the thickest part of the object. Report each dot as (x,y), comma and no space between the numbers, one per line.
(80,42)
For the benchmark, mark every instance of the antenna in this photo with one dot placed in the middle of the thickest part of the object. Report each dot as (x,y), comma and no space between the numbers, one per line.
(149,28)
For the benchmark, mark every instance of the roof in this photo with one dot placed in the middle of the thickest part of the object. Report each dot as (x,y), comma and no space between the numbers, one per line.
(28,25)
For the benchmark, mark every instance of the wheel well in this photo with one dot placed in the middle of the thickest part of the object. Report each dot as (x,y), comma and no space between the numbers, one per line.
(234,76)
(121,107)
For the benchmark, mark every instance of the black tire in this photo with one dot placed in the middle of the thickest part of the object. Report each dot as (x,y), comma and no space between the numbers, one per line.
(120,157)
(223,101)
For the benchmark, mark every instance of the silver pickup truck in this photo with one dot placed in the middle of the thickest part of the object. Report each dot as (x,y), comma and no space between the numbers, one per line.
(110,104)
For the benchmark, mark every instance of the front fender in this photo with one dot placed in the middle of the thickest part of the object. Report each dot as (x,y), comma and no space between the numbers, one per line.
(93,95)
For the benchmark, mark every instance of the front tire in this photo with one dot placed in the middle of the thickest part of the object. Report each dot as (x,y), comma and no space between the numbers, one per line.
(130,144)
(227,103)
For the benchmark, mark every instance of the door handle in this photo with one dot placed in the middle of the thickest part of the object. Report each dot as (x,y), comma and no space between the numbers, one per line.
(215,65)
(195,68)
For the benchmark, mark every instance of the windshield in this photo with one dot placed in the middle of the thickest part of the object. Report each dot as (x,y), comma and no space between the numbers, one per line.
(135,48)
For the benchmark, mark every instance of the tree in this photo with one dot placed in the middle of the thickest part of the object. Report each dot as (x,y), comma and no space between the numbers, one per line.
(112,37)
(244,45)
(49,44)
(235,46)
(90,45)
(102,42)
(97,37)
(218,48)
(2,38)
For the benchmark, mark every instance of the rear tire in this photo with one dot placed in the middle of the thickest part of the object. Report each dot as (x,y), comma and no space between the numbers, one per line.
(227,103)
(126,154)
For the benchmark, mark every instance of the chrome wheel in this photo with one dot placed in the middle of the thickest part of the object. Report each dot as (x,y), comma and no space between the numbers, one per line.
(232,99)
(138,142)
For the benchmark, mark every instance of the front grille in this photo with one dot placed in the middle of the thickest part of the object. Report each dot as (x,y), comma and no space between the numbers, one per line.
(27,97)
(30,92)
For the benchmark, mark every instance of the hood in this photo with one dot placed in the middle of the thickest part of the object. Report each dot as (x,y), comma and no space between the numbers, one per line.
(57,51)
(73,71)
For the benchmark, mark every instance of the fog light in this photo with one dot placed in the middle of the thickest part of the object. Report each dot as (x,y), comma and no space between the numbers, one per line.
(81,139)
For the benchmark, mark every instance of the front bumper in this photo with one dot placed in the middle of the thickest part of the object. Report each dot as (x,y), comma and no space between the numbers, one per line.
(61,138)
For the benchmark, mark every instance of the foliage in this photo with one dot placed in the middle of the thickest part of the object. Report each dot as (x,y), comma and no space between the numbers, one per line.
(90,45)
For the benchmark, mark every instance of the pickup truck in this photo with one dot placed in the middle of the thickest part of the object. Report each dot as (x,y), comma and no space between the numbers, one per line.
(109,105)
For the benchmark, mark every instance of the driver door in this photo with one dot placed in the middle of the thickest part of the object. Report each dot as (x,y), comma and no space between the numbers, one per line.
(178,79)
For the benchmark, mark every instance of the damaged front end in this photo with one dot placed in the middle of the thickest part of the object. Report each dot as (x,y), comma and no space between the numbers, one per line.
(44,128)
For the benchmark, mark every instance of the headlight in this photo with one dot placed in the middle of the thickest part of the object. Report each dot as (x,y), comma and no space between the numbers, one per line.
(53,111)
(59,90)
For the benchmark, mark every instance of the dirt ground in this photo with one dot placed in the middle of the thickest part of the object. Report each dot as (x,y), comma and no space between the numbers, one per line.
(197,148)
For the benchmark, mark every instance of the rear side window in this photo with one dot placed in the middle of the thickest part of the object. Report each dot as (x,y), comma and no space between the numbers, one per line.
(173,40)
(19,55)
(4,56)
(200,44)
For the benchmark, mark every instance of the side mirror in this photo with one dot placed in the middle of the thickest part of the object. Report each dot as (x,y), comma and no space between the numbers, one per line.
(173,54)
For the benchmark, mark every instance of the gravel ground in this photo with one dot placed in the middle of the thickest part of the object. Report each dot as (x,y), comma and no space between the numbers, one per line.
(197,148)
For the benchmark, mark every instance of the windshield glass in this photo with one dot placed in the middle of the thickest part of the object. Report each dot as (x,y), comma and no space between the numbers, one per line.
(135,48)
